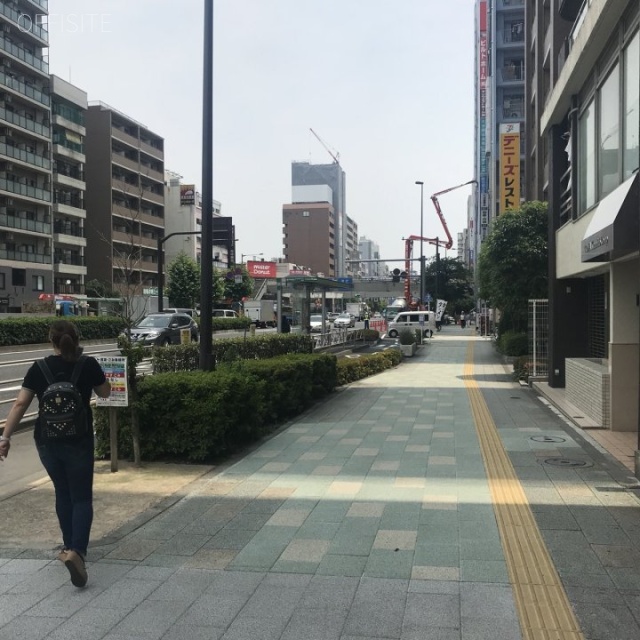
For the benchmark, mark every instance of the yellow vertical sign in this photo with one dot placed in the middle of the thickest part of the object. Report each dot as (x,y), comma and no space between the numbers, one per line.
(509,167)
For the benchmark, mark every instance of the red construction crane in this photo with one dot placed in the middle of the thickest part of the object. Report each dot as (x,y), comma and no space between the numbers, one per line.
(436,204)
(408,250)
(334,154)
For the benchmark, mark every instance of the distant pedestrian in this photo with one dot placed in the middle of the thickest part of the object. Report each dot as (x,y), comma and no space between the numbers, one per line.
(463,321)
(68,459)
(286,325)
(366,319)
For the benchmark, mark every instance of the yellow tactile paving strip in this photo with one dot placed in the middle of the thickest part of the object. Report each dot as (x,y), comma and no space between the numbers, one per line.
(542,604)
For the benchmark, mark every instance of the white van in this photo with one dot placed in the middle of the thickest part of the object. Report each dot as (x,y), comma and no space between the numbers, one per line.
(411,320)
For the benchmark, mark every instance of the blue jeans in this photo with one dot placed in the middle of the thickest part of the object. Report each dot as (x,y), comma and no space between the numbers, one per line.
(70,467)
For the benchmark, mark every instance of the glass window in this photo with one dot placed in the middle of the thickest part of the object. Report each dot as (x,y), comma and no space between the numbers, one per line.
(38,283)
(18,277)
(2,281)
(587,159)
(609,119)
(631,123)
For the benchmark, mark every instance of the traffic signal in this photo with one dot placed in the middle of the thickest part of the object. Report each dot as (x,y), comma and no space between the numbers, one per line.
(395,277)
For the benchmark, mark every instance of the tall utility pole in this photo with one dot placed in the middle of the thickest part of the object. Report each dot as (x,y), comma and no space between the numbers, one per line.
(421,302)
(206,283)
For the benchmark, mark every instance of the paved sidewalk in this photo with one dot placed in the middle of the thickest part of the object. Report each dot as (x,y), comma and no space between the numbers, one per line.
(371,516)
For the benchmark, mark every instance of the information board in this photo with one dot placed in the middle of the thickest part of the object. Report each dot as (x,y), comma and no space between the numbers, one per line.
(115,370)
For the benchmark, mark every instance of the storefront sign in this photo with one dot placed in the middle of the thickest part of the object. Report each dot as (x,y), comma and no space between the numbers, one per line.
(509,167)
(261,269)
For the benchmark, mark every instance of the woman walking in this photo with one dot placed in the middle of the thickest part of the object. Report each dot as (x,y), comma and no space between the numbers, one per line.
(64,440)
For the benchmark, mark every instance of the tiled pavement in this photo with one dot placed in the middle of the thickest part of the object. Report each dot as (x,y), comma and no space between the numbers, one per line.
(369,517)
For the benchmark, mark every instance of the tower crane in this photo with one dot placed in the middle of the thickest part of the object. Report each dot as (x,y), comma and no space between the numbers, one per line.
(334,154)
(436,204)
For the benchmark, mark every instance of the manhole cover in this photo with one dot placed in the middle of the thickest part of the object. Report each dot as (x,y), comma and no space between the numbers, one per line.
(567,462)
(547,439)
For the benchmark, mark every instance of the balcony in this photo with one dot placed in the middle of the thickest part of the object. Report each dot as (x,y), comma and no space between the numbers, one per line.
(61,287)
(24,190)
(65,143)
(21,54)
(133,239)
(25,23)
(67,228)
(25,123)
(152,173)
(513,33)
(152,151)
(125,137)
(123,161)
(151,196)
(24,256)
(24,88)
(25,156)
(513,71)
(75,116)
(24,224)
(74,259)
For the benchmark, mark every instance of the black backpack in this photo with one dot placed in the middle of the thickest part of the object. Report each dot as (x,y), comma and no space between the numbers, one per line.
(63,414)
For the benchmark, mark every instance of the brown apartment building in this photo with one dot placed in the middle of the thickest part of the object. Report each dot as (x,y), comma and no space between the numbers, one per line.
(309,236)
(125,200)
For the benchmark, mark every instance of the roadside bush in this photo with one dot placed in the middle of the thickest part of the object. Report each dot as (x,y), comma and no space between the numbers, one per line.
(201,415)
(187,357)
(512,343)
(16,331)
(521,368)
(406,336)
(370,335)
(352,369)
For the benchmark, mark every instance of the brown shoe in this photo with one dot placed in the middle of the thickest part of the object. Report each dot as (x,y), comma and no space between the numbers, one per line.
(62,554)
(75,564)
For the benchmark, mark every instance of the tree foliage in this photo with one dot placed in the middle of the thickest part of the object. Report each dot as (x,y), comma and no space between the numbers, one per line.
(183,282)
(512,266)
(231,285)
(454,283)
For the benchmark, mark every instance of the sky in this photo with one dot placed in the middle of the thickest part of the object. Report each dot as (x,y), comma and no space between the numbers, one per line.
(388,84)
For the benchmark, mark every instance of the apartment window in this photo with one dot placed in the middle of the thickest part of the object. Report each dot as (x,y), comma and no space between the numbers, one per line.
(38,283)
(631,110)
(3,283)
(18,277)
(587,157)
(609,130)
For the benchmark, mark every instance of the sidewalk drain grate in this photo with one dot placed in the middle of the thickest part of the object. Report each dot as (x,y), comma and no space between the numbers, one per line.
(547,439)
(567,462)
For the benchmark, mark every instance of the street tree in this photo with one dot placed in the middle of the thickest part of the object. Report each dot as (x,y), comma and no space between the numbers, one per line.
(454,283)
(512,266)
(235,284)
(183,282)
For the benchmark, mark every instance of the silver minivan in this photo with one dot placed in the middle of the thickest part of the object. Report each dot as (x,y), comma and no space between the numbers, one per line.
(411,320)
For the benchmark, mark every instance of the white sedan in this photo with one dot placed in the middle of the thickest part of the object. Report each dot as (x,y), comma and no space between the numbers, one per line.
(345,320)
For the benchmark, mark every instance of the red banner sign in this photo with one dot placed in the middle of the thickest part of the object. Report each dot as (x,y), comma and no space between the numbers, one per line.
(261,269)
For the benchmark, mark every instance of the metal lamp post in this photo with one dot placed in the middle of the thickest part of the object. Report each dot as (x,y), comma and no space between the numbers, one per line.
(421,303)
(242,255)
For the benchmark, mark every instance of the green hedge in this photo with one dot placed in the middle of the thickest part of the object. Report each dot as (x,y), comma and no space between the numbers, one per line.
(16,331)
(200,415)
(228,324)
(512,343)
(352,369)
(187,357)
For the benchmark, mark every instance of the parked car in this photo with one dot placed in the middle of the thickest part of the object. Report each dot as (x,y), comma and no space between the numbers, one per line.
(345,320)
(190,312)
(411,320)
(315,322)
(161,329)
(224,313)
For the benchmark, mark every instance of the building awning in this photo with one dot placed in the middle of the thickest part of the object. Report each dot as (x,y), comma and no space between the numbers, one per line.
(613,230)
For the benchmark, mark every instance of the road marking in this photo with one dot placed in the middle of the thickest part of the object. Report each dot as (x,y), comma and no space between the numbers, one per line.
(542,604)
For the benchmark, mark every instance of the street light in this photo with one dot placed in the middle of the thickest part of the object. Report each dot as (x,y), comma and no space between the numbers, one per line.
(421,303)
(242,255)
